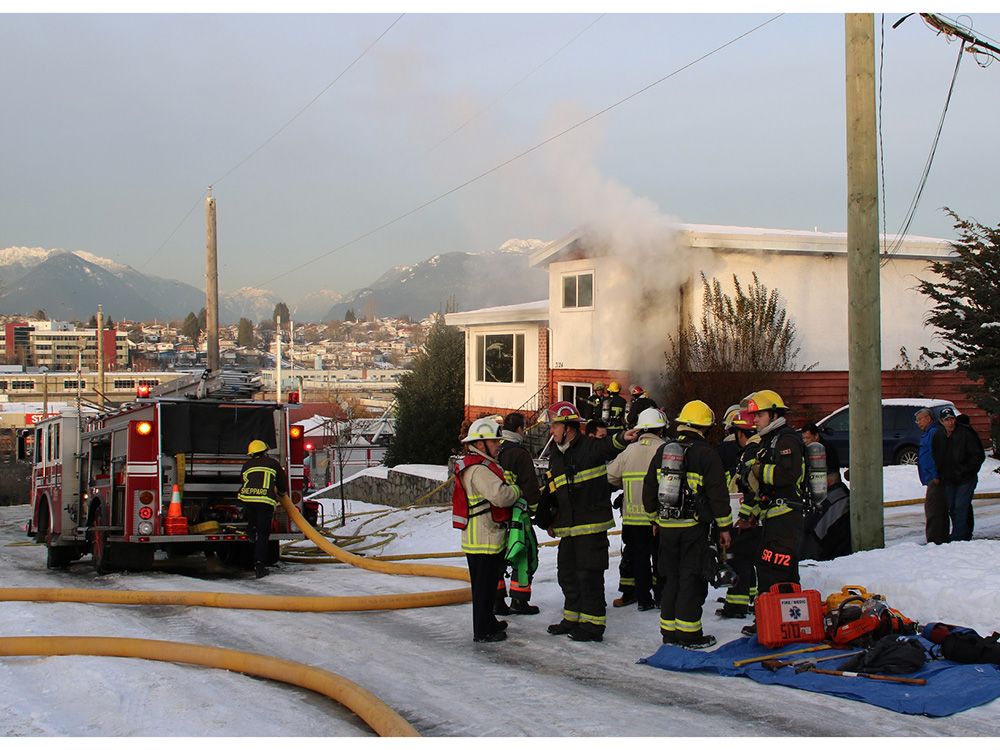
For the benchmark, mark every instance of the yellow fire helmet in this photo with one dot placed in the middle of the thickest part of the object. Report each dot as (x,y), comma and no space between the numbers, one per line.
(613,387)
(764,400)
(697,413)
(255,447)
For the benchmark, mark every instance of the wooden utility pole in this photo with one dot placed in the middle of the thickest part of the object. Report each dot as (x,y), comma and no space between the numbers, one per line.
(863,306)
(211,285)
(277,374)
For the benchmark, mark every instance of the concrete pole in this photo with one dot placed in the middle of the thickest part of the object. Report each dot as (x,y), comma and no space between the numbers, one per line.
(277,376)
(864,313)
(211,285)
(100,355)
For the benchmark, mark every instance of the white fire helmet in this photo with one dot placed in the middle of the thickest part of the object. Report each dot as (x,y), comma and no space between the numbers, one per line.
(485,428)
(651,419)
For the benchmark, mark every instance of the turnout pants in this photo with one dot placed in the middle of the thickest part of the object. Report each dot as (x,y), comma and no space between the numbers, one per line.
(778,561)
(258,517)
(638,565)
(745,550)
(484,570)
(682,552)
(581,563)
(936,514)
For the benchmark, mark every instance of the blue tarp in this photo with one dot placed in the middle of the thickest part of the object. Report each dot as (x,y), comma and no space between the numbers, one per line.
(950,688)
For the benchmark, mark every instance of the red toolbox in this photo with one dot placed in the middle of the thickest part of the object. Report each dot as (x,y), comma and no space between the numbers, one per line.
(787,614)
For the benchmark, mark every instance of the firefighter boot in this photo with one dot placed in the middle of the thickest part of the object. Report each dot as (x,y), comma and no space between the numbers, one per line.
(698,643)
(260,571)
(580,633)
(624,600)
(561,628)
(521,607)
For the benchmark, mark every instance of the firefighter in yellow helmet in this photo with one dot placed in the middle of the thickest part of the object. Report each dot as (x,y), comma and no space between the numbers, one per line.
(615,408)
(780,471)
(264,483)
(685,488)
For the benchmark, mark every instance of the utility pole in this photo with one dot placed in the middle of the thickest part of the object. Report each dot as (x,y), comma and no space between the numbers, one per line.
(211,284)
(863,306)
(100,356)
(277,331)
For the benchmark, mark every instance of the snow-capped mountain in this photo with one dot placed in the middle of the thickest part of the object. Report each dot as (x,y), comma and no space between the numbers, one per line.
(313,307)
(495,277)
(248,302)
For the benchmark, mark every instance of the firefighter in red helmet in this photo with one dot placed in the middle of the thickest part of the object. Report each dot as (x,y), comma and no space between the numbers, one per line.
(582,498)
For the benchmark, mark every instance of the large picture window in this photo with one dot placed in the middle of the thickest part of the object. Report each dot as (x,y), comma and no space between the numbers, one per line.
(500,358)
(578,290)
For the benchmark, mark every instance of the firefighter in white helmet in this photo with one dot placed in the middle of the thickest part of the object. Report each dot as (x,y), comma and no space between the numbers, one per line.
(686,488)
(481,504)
(637,571)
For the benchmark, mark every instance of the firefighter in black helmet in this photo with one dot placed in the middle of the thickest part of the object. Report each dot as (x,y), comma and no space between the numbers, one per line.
(264,484)
(780,470)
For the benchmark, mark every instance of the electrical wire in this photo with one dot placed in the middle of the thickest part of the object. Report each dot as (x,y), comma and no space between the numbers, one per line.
(513,86)
(905,226)
(518,156)
(274,135)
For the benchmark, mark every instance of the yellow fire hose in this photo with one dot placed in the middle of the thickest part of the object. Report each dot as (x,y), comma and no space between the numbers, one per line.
(369,708)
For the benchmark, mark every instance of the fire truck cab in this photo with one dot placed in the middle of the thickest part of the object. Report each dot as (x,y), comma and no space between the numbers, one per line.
(102,485)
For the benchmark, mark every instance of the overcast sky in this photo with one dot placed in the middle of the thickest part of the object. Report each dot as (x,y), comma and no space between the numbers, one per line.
(113,126)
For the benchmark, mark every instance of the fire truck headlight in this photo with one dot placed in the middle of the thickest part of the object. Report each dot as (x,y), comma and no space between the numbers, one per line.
(144,428)
(145,528)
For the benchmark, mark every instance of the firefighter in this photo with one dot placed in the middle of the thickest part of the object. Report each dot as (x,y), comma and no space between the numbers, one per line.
(637,571)
(264,484)
(637,405)
(746,533)
(596,428)
(780,470)
(729,449)
(519,469)
(582,496)
(484,494)
(595,402)
(615,406)
(685,488)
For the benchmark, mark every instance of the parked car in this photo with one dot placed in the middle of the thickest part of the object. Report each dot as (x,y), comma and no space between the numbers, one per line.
(900,434)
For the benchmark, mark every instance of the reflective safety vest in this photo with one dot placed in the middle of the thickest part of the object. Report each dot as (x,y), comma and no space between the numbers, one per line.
(464,507)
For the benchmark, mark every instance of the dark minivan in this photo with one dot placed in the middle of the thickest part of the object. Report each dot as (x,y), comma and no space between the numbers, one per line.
(900,434)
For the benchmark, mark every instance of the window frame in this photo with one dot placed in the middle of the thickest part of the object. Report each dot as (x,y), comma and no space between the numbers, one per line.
(576,276)
(518,341)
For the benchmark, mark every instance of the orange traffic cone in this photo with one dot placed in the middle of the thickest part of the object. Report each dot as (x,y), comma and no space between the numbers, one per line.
(176,521)
(175,508)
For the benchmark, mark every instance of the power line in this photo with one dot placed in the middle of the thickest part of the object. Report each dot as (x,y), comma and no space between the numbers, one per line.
(513,86)
(274,135)
(520,155)
(901,234)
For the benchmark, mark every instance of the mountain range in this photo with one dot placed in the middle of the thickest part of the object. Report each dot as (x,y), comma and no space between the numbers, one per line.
(70,285)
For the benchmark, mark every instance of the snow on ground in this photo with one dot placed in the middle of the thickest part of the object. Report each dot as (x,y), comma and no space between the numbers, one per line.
(423,662)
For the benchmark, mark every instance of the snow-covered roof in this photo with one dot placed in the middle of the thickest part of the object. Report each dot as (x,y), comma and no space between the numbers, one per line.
(526,312)
(584,242)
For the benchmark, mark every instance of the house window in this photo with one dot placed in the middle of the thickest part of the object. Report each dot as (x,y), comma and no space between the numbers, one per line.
(73,384)
(127,384)
(575,393)
(500,358)
(578,290)
(22,385)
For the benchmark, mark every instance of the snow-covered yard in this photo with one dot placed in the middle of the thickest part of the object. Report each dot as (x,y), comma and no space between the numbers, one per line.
(424,664)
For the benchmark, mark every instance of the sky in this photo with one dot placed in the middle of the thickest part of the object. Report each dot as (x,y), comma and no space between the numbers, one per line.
(113,126)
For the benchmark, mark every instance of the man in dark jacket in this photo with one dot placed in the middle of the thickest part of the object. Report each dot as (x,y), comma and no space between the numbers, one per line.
(685,519)
(936,521)
(639,403)
(958,454)
(264,483)
(616,405)
(519,469)
(582,495)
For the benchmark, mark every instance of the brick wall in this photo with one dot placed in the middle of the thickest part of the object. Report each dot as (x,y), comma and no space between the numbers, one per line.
(543,357)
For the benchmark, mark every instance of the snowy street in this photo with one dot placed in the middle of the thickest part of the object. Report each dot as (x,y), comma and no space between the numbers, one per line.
(424,664)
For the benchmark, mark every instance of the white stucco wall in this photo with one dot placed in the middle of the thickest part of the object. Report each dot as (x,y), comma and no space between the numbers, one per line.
(502,395)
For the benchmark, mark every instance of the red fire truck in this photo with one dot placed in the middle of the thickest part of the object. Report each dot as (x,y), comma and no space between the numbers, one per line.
(102,484)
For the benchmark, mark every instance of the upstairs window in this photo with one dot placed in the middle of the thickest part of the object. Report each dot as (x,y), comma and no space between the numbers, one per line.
(578,290)
(500,358)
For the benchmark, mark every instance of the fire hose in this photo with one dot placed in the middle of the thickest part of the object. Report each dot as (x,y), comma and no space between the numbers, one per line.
(369,708)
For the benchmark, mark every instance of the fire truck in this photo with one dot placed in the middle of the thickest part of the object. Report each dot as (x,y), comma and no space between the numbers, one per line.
(102,484)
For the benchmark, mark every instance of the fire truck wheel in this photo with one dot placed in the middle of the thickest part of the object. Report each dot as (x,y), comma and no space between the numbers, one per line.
(43,522)
(100,551)
(60,557)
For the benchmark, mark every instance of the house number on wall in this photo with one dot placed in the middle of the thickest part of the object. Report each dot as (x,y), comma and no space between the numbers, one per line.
(557,365)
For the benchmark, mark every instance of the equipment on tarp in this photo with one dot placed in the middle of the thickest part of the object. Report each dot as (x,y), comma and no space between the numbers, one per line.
(775,664)
(808,649)
(788,614)
(882,677)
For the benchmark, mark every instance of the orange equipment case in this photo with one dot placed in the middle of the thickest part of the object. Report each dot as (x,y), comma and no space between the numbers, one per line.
(787,614)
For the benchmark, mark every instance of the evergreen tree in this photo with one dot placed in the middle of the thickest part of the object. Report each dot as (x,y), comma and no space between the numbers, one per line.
(430,401)
(967,309)
(349,316)
(191,327)
(244,333)
(92,323)
(202,319)
(281,309)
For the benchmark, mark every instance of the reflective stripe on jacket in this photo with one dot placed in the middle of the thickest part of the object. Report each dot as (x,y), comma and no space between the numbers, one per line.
(483,536)
(580,485)
(706,484)
(628,471)
(264,481)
